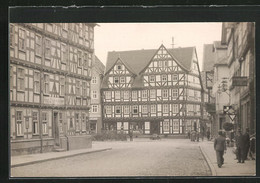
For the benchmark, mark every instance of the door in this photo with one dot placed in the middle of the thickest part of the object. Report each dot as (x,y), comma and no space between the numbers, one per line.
(56,128)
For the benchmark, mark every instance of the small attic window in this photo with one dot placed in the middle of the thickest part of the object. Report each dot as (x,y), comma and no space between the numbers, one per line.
(119,67)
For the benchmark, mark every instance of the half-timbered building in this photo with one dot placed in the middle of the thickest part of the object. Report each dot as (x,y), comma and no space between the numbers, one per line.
(152,91)
(50,73)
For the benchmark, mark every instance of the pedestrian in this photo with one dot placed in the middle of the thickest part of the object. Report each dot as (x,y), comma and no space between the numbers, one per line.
(202,135)
(208,134)
(189,134)
(247,143)
(131,134)
(220,148)
(240,147)
(252,147)
(198,136)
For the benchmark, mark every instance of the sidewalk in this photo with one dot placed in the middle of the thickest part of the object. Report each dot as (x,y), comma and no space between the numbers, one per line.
(37,158)
(230,166)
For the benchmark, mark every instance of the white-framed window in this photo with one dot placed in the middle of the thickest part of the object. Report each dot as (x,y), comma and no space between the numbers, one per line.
(62,86)
(108,109)
(22,42)
(152,93)
(166,125)
(153,108)
(119,67)
(135,109)
(165,93)
(83,120)
(94,94)
(134,94)
(144,109)
(175,108)
(78,93)
(46,84)
(116,80)
(126,94)
(80,60)
(36,82)
(45,123)
(164,77)
(122,80)
(94,108)
(60,122)
(165,108)
(64,53)
(47,48)
(77,121)
(94,80)
(117,94)
(38,45)
(126,109)
(35,120)
(20,79)
(175,77)
(175,124)
(152,78)
(144,94)
(174,93)
(108,94)
(11,29)
(118,109)
(19,123)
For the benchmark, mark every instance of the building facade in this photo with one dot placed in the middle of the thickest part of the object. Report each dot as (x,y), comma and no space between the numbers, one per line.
(152,91)
(95,117)
(50,74)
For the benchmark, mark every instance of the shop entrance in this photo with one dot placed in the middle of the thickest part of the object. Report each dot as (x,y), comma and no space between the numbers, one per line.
(56,129)
(155,127)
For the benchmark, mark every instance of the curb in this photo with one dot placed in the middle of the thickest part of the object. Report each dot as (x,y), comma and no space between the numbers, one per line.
(211,167)
(55,158)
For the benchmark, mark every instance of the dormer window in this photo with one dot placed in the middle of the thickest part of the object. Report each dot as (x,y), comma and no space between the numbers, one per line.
(119,67)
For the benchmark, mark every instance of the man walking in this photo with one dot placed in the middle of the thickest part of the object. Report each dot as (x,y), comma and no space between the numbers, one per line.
(220,147)
(240,147)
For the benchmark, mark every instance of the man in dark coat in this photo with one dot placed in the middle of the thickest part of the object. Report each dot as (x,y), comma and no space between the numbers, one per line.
(220,148)
(247,143)
(240,147)
(208,134)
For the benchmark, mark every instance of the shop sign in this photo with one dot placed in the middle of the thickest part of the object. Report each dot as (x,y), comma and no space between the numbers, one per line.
(53,101)
(239,81)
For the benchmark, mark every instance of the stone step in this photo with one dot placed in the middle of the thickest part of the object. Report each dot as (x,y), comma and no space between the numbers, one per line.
(59,150)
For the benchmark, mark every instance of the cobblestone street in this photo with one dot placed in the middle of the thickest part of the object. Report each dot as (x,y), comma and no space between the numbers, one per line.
(143,157)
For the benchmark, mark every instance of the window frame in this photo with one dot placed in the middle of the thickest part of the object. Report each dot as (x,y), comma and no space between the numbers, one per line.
(46,78)
(126,109)
(38,45)
(78,91)
(12,36)
(94,108)
(116,80)
(164,77)
(144,94)
(44,123)
(117,107)
(108,109)
(173,93)
(19,124)
(62,86)
(20,79)
(36,82)
(135,107)
(94,94)
(77,121)
(175,108)
(47,48)
(64,53)
(144,109)
(165,93)
(35,121)
(165,108)
(22,40)
(152,78)
(153,108)
(175,77)
(94,80)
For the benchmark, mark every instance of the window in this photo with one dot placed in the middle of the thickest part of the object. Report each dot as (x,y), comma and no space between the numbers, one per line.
(19,123)
(165,93)
(46,84)
(38,45)
(108,110)
(152,93)
(108,95)
(165,63)
(144,108)
(116,80)
(160,63)
(135,109)
(164,77)
(117,94)
(22,43)
(126,94)
(152,78)
(134,94)
(77,121)
(84,126)
(122,79)
(118,109)
(94,108)
(80,61)
(94,80)
(64,54)
(85,60)
(11,35)
(119,67)
(20,79)
(144,94)
(78,88)
(195,94)
(71,123)
(36,82)
(153,108)
(165,108)
(60,123)
(175,125)
(175,108)
(11,78)
(166,126)
(175,77)
(126,109)
(44,123)
(62,86)
(94,94)
(35,125)
(174,93)
(47,48)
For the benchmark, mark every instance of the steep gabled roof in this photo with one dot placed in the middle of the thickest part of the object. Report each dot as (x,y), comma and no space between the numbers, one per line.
(125,63)
(100,67)
(208,57)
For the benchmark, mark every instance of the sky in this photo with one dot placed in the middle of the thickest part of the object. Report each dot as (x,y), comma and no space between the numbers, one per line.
(137,36)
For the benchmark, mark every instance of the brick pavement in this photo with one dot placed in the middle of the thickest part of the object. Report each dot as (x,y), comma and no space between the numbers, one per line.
(230,166)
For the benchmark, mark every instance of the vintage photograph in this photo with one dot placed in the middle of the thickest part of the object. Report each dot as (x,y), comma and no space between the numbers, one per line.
(132,99)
